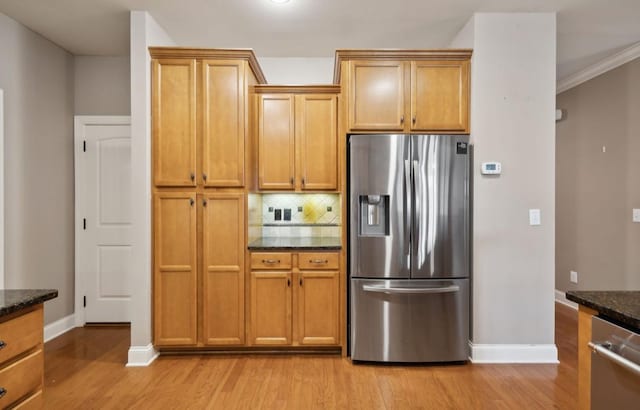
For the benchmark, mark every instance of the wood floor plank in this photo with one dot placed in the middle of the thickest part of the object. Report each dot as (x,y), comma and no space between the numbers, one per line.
(84,369)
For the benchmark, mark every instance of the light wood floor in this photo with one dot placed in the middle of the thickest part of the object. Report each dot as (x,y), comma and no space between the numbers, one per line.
(84,369)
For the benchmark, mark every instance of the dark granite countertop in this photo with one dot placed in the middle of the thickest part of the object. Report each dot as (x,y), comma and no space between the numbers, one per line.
(13,300)
(620,306)
(292,243)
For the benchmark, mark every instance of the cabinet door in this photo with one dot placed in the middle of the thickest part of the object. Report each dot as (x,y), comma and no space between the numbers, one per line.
(174,122)
(276,147)
(317,137)
(376,95)
(270,308)
(174,286)
(318,307)
(223,268)
(223,123)
(440,96)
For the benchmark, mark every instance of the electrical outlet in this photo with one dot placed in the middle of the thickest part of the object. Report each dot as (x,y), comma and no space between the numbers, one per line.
(534,217)
(573,276)
(636,215)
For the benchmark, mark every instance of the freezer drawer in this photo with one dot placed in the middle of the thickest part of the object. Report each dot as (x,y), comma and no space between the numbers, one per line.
(410,320)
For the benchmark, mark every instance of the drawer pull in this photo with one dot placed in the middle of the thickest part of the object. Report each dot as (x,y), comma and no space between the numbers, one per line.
(3,391)
(318,261)
(2,344)
(271,261)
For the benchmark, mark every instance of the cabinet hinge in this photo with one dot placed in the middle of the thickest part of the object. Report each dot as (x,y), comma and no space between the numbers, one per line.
(84,301)
(84,146)
(84,223)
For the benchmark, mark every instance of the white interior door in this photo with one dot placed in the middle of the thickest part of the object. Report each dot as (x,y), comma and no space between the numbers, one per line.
(103,219)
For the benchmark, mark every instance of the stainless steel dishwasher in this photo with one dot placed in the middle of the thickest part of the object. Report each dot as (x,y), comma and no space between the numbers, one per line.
(615,366)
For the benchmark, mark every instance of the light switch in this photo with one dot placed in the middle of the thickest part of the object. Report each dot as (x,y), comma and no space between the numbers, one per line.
(534,217)
(636,215)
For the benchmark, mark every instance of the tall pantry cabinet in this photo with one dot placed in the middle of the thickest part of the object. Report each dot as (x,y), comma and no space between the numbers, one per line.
(200,104)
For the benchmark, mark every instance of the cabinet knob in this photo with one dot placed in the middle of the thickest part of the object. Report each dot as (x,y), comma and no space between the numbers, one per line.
(302,181)
(289,282)
(291,181)
(191,201)
(402,120)
(300,281)
(204,202)
(192,176)
(414,120)
(2,344)
(204,177)
(3,391)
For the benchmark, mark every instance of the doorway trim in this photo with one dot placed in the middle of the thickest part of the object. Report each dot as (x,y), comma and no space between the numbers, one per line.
(79,125)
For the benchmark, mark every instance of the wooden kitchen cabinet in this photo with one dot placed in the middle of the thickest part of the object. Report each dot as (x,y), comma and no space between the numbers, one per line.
(295,304)
(200,123)
(200,108)
(223,268)
(175,269)
(174,122)
(270,308)
(297,138)
(405,91)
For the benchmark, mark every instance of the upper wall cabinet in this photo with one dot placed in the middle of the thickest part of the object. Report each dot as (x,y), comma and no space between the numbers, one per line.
(200,107)
(297,138)
(405,91)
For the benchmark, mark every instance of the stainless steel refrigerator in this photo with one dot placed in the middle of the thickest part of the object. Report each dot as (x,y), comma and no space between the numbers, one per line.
(409,218)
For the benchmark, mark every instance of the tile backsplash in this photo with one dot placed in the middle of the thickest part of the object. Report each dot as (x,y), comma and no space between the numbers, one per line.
(294,215)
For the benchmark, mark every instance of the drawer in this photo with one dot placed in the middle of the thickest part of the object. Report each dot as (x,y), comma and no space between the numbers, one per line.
(32,402)
(318,260)
(20,334)
(21,378)
(270,260)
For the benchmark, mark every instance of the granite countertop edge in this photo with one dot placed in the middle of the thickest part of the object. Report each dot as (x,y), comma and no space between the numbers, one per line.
(620,306)
(15,300)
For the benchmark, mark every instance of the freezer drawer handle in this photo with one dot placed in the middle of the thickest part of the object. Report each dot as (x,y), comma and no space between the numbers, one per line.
(380,289)
(604,350)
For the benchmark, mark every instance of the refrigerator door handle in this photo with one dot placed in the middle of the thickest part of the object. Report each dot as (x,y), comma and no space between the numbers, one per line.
(382,289)
(408,182)
(416,194)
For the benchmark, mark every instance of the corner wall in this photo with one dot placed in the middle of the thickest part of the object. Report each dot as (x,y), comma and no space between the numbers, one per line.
(37,78)
(598,144)
(145,32)
(512,121)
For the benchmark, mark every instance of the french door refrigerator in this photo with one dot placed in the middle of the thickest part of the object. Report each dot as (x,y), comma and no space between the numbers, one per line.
(409,218)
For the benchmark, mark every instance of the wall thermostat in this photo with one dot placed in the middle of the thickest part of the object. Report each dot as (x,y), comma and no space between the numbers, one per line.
(491,168)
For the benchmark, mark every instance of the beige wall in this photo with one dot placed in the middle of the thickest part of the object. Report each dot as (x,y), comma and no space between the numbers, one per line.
(37,78)
(597,190)
(102,85)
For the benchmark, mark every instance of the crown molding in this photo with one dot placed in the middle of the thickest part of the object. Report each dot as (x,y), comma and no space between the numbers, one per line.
(601,67)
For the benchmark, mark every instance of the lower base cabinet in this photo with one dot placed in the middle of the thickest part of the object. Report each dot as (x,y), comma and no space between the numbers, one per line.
(291,306)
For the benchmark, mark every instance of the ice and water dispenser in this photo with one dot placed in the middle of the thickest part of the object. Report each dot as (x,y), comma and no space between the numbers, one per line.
(374,215)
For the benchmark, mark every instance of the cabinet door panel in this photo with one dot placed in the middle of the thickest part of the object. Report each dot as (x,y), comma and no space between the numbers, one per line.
(175,290)
(223,137)
(270,308)
(376,95)
(318,308)
(440,96)
(223,265)
(317,135)
(174,122)
(276,141)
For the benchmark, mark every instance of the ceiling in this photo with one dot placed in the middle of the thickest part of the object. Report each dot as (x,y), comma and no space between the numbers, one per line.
(588,30)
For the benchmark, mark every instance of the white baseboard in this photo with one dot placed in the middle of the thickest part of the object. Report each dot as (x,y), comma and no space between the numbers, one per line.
(141,356)
(510,353)
(561,298)
(59,327)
